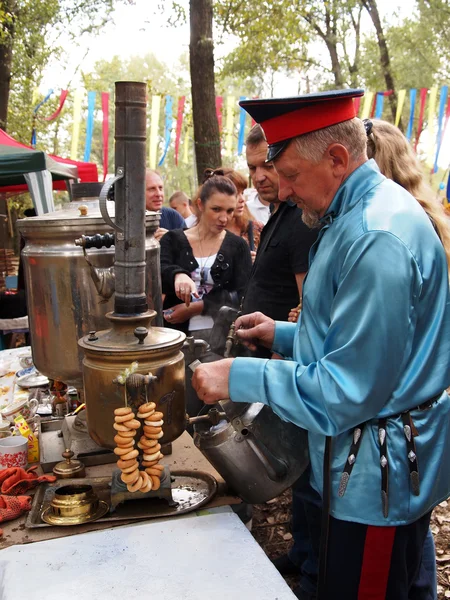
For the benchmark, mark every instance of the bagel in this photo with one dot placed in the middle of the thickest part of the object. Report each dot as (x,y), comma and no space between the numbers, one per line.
(122,451)
(151,457)
(124,464)
(148,406)
(148,443)
(129,433)
(133,424)
(124,410)
(120,427)
(147,487)
(124,418)
(156,416)
(124,441)
(154,436)
(133,454)
(150,463)
(134,487)
(145,415)
(145,479)
(153,471)
(154,423)
(132,468)
(156,482)
(159,467)
(130,477)
(148,430)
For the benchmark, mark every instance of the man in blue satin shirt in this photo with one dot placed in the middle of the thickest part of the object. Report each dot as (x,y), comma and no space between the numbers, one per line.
(367,365)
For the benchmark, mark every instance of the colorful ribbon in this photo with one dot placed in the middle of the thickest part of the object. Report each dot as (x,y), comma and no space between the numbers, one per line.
(400,104)
(76,124)
(423,97)
(442,105)
(154,122)
(105,131)
(89,126)
(229,125)
(379,105)
(219,106)
(412,108)
(47,97)
(431,126)
(181,101)
(242,116)
(368,99)
(62,99)
(167,127)
(357,104)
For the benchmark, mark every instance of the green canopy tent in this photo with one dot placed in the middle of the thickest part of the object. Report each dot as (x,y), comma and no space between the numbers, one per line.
(19,165)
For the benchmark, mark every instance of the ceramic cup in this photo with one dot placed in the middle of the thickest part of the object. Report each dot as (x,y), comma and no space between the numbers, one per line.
(27,408)
(6,429)
(13,452)
(26,361)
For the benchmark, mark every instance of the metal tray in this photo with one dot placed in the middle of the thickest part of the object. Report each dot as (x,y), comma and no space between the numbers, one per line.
(190,489)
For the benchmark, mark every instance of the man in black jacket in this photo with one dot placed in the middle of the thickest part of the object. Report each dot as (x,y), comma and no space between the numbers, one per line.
(274,288)
(275,284)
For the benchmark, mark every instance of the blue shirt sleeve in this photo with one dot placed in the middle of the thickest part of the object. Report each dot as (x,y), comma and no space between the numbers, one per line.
(367,342)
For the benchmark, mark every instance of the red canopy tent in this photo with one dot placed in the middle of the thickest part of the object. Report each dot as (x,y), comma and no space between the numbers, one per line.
(86,171)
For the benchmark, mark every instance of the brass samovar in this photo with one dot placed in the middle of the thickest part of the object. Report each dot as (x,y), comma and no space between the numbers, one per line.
(132,361)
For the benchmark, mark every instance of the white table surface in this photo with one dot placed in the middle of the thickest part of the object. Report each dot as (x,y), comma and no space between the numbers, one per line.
(210,557)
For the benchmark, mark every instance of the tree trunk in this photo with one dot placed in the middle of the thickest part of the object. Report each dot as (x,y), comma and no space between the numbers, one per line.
(6,45)
(335,63)
(372,9)
(201,59)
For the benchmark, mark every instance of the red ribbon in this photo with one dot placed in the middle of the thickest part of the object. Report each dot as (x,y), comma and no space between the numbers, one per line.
(181,101)
(62,99)
(219,105)
(423,97)
(105,130)
(357,103)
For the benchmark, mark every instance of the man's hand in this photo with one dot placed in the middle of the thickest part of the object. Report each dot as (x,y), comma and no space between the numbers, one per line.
(210,380)
(160,232)
(184,287)
(255,329)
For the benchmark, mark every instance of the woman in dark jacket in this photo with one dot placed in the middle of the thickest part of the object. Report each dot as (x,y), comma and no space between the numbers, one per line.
(205,267)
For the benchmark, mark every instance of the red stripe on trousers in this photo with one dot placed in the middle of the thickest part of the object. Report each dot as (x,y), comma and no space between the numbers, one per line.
(376,563)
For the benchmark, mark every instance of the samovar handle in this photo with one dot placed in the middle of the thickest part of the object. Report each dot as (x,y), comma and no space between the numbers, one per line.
(103,197)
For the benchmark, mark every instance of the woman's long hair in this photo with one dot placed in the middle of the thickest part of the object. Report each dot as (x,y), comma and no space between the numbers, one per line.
(396,159)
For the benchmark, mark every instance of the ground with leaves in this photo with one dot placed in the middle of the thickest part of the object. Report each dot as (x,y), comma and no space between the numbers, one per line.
(272,530)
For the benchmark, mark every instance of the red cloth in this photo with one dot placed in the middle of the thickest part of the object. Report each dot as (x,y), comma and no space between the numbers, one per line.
(15,480)
(12,507)
(86,171)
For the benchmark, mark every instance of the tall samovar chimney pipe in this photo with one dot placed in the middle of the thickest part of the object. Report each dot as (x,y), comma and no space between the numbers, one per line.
(130,138)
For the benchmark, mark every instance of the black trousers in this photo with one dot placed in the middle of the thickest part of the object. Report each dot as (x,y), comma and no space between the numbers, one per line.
(374,563)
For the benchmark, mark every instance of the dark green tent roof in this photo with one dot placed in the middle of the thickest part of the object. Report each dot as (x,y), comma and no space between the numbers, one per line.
(15,161)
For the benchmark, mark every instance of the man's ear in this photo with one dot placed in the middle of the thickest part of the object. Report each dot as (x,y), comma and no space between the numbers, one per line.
(339,157)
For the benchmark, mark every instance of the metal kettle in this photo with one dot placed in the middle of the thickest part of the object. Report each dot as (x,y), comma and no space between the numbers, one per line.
(258,454)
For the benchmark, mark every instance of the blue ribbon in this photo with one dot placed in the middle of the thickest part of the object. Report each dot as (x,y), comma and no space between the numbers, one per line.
(379,105)
(49,93)
(442,105)
(89,126)
(412,103)
(167,127)
(242,116)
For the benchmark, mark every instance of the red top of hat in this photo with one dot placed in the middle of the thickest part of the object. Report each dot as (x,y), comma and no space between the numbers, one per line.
(285,118)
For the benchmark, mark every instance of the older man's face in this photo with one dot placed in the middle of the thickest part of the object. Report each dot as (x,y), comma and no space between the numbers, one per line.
(311,186)
(154,191)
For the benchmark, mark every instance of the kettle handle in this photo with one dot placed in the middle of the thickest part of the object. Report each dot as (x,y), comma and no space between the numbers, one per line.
(276,468)
(104,196)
